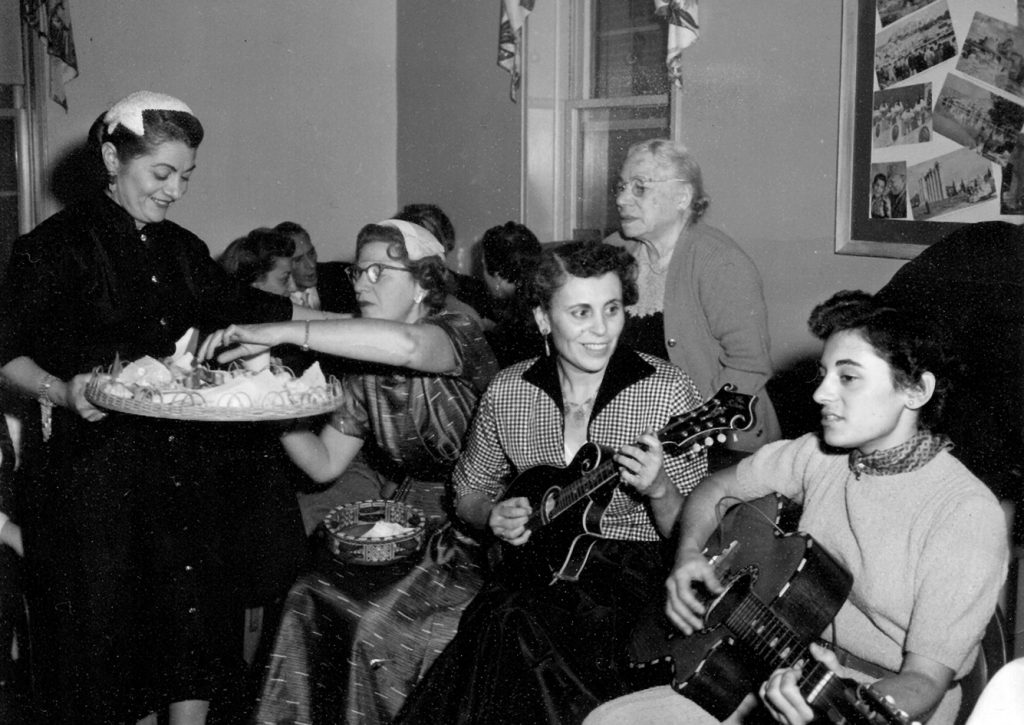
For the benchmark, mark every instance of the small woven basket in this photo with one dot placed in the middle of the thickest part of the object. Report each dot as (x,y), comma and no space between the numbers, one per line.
(346,523)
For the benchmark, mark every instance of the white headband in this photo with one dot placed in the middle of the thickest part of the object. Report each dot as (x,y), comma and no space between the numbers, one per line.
(419,242)
(128,111)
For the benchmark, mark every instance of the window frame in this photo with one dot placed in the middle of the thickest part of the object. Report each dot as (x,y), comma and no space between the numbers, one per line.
(557,46)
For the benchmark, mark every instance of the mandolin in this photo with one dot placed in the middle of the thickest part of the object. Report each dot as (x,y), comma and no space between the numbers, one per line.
(568,502)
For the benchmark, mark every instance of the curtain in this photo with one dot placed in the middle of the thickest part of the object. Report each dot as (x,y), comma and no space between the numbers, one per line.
(51,19)
(510,40)
(683,30)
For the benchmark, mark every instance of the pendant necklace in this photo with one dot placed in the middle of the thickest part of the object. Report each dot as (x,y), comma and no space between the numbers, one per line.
(578,412)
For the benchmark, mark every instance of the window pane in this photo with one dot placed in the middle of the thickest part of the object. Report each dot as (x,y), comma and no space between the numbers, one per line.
(8,227)
(629,49)
(8,159)
(605,136)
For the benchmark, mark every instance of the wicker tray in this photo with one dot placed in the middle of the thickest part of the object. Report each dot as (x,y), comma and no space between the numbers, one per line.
(346,523)
(190,405)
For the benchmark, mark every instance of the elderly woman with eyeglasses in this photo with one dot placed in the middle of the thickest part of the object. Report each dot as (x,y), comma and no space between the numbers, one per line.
(354,641)
(701,303)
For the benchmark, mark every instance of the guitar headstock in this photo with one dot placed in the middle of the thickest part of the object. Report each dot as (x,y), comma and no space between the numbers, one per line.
(880,709)
(710,423)
(846,702)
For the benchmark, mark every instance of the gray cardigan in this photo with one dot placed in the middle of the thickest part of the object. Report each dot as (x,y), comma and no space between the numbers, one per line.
(716,323)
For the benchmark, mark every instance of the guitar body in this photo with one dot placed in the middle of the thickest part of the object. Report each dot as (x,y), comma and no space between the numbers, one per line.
(558,548)
(797,581)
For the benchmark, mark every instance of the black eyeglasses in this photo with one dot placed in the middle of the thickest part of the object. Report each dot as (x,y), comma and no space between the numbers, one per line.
(637,186)
(373,271)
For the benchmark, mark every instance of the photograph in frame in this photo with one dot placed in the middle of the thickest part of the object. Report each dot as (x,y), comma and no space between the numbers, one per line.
(891,140)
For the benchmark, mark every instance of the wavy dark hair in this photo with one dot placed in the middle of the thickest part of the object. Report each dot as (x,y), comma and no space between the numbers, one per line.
(432,218)
(581,259)
(430,272)
(910,347)
(511,251)
(249,258)
(293,229)
(160,126)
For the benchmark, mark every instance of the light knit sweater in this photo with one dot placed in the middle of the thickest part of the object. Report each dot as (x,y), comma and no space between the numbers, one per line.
(927,549)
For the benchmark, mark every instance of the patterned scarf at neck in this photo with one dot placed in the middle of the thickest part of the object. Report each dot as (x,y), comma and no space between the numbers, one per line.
(904,458)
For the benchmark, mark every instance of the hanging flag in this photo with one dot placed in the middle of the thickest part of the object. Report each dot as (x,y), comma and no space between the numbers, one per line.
(510,40)
(51,19)
(683,29)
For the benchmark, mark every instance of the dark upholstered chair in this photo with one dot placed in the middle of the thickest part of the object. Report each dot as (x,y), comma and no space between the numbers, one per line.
(995,652)
(971,284)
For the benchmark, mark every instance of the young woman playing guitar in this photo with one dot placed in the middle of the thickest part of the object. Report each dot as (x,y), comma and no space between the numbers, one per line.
(923,538)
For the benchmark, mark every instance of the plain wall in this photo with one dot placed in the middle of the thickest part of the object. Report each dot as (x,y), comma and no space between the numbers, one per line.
(333,114)
(458,132)
(297,98)
(761,114)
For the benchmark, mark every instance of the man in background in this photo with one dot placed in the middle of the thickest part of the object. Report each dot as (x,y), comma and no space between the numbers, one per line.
(898,196)
(321,286)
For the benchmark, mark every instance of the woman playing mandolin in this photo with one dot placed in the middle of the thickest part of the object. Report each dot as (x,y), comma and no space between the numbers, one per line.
(924,540)
(547,649)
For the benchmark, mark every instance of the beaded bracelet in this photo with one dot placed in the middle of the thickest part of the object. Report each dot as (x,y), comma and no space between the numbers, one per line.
(46,405)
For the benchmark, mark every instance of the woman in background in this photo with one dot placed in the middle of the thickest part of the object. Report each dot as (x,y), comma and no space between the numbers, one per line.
(701,304)
(510,253)
(262,259)
(468,293)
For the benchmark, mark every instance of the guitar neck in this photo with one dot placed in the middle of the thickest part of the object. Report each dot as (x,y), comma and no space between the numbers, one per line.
(846,702)
(773,640)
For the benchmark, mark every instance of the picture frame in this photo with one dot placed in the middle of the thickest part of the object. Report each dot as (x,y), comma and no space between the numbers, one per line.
(910,150)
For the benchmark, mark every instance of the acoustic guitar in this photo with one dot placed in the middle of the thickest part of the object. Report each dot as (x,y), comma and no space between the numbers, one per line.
(781,590)
(568,502)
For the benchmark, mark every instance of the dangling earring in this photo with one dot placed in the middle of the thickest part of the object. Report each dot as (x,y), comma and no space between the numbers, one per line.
(545,332)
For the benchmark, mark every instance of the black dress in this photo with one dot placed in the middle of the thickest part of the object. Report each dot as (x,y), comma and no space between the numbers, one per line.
(130,527)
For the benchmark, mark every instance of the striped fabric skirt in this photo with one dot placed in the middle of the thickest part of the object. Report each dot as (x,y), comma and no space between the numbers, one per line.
(354,640)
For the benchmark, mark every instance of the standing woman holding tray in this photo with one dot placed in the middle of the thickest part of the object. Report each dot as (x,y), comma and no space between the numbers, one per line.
(120,515)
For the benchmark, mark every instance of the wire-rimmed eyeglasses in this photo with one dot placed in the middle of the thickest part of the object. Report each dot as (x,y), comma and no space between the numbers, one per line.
(637,185)
(373,271)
